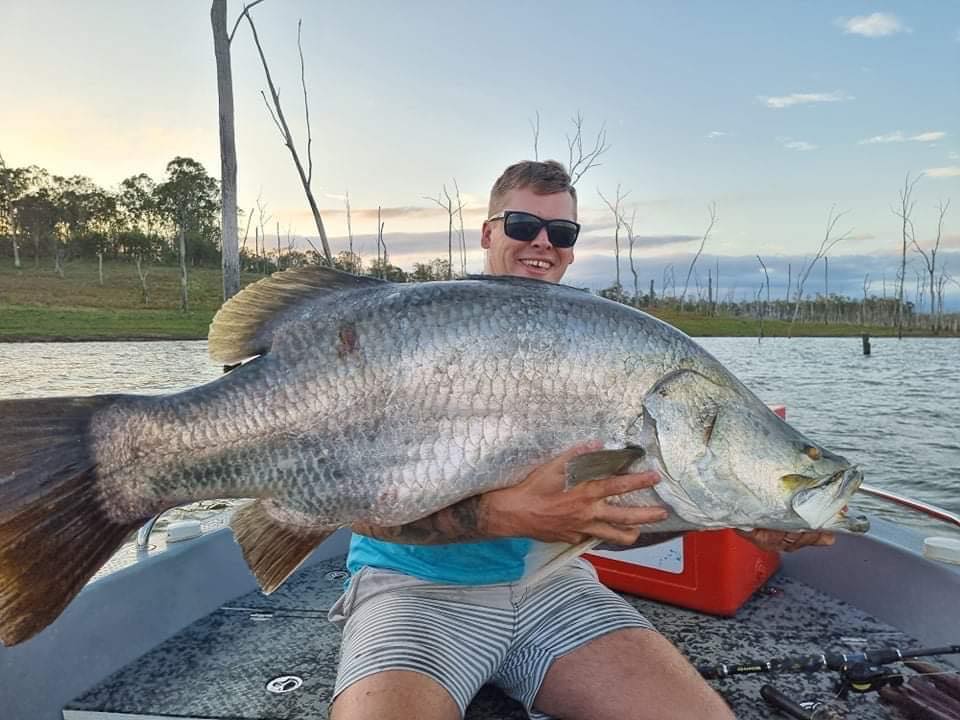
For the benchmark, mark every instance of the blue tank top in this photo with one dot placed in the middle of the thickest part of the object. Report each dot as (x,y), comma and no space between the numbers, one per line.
(477,563)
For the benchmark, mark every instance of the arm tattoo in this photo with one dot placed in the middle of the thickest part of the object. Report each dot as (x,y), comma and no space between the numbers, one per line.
(463,522)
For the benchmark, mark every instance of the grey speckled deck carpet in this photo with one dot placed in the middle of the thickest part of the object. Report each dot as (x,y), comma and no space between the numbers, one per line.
(219,667)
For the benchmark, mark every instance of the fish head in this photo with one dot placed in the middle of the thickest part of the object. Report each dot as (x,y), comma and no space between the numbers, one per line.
(729,461)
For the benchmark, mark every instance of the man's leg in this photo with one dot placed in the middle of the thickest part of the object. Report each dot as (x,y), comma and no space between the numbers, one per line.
(395,695)
(631,673)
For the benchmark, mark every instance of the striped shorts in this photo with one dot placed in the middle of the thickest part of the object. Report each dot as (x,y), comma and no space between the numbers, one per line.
(466,636)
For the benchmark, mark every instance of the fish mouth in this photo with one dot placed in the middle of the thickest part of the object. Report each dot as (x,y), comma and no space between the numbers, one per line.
(824,505)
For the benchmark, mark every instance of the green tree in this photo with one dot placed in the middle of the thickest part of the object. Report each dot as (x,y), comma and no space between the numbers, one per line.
(189,201)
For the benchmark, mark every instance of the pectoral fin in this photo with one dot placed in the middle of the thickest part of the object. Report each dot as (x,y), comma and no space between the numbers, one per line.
(272,548)
(601,463)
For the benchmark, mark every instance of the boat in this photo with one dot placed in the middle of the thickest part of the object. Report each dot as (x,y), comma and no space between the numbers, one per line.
(180,630)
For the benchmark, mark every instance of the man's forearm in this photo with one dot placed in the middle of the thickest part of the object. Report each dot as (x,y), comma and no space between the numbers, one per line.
(465,521)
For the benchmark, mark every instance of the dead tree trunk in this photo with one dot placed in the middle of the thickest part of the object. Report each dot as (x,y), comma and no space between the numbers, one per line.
(712,208)
(904,212)
(825,246)
(142,274)
(615,209)
(230,252)
(184,300)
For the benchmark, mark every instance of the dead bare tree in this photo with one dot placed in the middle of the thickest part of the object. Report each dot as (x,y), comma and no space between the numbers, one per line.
(766,276)
(826,245)
(276,113)
(346,199)
(536,137)
(615,209)
(382,260)
(230,254)
(763,309)
(451,211)
(262,219)
(712,209)
(863,305)
(463,236)
(581,161)
(631,239)
(931,262)
(142,274)
(904,211)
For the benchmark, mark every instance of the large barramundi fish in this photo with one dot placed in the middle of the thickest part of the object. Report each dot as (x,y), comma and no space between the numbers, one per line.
(364,400)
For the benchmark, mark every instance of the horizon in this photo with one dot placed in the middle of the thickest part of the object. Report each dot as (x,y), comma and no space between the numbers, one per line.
(777,114)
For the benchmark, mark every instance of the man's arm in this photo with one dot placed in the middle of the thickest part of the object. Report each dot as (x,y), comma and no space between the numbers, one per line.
(540,507)
(463,522)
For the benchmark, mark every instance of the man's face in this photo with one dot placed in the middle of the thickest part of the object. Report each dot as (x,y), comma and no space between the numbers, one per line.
(537,258)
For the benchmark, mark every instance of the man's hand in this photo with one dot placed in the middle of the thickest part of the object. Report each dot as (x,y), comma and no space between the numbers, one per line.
(787,541)
(541,508)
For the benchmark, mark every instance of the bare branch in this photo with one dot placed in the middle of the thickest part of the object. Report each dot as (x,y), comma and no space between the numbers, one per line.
(463,240)
(246,9)
(273,117)
(579,164)
(766,275)
(536,136)
(826,245)
(288,141)
(306,105)
(712,208)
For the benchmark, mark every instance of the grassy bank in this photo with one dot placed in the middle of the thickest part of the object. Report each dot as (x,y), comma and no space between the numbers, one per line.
(37,304)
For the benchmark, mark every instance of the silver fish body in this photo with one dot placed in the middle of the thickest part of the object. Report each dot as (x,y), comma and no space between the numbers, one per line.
(384,403)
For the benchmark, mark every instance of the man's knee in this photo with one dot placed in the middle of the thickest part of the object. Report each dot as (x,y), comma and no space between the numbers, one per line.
(395,695)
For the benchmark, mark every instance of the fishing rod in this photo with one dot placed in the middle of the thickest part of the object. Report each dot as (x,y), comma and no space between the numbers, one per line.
(860,672)
(822,661)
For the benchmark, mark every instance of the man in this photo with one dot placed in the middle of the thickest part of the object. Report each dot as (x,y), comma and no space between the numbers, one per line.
(437,608)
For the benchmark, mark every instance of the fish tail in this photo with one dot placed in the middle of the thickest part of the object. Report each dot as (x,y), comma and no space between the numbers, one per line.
(54,531)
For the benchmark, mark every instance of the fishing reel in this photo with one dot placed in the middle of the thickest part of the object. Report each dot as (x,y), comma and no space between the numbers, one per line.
(862,678)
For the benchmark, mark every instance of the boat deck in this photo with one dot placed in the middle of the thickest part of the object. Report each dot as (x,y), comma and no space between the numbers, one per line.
(220,666)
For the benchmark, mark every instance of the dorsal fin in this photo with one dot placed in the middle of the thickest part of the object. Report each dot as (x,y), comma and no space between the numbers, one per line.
(242,327)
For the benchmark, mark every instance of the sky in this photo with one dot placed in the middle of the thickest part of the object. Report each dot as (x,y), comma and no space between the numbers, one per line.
(779,113)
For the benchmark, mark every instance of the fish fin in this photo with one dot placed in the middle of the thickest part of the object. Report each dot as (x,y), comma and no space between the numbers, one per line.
(242,328)
(601,463)
(50,511)
(560,560)
(273,549)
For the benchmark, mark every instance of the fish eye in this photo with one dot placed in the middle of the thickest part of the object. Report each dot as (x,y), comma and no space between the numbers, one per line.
(812,452)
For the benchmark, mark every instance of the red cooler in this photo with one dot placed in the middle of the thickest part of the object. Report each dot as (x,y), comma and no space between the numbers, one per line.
(713,571)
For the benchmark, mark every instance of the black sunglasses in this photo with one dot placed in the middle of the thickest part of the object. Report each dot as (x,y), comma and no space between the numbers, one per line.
(526,226)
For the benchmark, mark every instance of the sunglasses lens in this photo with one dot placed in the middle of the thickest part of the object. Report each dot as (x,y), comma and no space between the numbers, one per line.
(562,234)
(521,226)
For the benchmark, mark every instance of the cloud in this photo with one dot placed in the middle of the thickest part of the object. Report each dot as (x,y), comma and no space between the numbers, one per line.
(873,25)
(799,145)
(942,172)
(953,156)
(783,101)
(898,136)
(713,134)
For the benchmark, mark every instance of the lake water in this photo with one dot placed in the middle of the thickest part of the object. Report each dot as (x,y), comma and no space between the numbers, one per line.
(896,412)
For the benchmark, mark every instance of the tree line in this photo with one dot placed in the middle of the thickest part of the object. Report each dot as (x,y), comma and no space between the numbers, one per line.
(46,217)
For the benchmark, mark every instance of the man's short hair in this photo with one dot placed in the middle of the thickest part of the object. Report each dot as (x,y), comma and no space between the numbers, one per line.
(542,177)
